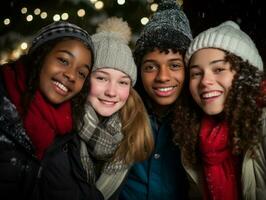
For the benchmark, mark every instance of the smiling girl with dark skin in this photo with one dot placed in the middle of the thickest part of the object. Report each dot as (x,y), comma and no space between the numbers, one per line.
(42,97)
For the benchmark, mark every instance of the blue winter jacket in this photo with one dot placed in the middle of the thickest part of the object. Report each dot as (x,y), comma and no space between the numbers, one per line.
(162,176)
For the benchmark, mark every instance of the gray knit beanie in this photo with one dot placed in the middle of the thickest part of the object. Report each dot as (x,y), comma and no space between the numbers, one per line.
(229,37)
(111,47)
(58,30)
(167,28)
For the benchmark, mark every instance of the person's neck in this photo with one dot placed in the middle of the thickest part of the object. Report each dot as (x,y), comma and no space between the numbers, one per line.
(218,117)
(161,111)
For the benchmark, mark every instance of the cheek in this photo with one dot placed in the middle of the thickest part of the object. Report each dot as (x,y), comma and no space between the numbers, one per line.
(193,90)
(43,78)
(192,87)
(94,91)
(147,79)
(179,76)
(123,94)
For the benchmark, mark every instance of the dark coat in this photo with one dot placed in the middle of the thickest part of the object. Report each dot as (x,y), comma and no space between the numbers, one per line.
(22,176)
(18,165)
(63,176)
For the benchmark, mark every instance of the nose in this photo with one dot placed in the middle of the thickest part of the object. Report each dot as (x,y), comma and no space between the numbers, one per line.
(70,74)
(163,74)
(207,79)
(110,90)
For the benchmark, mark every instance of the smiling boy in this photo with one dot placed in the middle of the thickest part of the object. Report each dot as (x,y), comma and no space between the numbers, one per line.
(159,54)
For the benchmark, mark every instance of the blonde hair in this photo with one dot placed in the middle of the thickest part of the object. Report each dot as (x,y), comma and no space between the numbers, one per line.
(138,142)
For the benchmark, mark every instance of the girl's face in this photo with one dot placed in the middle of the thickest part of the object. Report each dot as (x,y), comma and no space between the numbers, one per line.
(109,90)
(64,71)
(210,79)
(163,76)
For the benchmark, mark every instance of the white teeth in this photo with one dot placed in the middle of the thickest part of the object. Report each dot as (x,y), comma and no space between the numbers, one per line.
(165,89)
(61,86)
(211,94)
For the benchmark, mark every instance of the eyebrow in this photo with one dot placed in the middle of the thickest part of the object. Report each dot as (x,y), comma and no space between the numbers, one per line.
(210,63)
(172,59)
(72,55)
(67,52)
(109,74)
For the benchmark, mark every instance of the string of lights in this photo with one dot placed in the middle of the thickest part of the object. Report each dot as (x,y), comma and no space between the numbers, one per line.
(15,34)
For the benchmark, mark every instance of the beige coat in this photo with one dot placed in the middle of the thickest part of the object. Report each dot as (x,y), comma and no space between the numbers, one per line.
(253,177)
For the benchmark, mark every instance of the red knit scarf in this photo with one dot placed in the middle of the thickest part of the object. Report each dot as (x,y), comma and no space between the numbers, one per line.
(43,121)
(220,166)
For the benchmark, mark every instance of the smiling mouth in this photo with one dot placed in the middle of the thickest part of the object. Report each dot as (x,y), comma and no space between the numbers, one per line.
(106,102)
(60,86)
(165,91)
(209,95)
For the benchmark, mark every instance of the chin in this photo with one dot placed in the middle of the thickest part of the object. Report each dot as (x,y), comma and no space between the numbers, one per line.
(212,112)
(106,114)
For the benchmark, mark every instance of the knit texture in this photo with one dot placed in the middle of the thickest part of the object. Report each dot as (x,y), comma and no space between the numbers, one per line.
(229,37)
(111,47)
(58,30)
(168,26)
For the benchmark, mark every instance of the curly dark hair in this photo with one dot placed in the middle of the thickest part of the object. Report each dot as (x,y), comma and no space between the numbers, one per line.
(33,63)
(241,112)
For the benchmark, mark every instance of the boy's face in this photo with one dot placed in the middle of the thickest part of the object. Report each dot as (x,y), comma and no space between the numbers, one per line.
(210,79)
(64,71)
(163,76)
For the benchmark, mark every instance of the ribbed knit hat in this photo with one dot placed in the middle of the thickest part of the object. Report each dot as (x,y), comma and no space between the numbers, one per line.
(229,37)
(58,30)
(167,27)
(111,47)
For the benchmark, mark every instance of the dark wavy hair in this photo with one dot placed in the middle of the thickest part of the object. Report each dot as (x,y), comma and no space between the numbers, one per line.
(33,63)
(241,112)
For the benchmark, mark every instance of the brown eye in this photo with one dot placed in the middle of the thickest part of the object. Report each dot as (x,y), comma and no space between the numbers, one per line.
(62,61)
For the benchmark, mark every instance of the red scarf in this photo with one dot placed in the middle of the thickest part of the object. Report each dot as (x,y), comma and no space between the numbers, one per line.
(220,166)
(43,121)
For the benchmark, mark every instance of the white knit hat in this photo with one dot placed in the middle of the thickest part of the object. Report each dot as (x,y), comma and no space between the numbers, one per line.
(111,47)
(229,37)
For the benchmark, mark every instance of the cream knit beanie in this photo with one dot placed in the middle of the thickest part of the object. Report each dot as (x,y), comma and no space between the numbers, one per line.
(111,47)
(229,37)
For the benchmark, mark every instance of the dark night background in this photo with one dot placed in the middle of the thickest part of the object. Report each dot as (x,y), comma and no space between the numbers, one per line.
(249,14)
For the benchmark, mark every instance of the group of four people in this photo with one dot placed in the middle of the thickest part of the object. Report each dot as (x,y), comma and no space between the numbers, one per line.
(181,118)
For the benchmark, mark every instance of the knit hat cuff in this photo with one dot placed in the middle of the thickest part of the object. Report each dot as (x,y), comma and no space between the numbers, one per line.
(59,30)
(228,37)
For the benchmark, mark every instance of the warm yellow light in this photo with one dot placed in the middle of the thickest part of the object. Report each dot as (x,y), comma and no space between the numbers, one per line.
(44,15)
(64,16)
(121,2)
(24,45)
(99,5)
(37,11)
(29,18)
(154,7)
(93,1)
(7,21)
(24,10)
(56,17)
(15,54)
(144,20)
(81,12)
